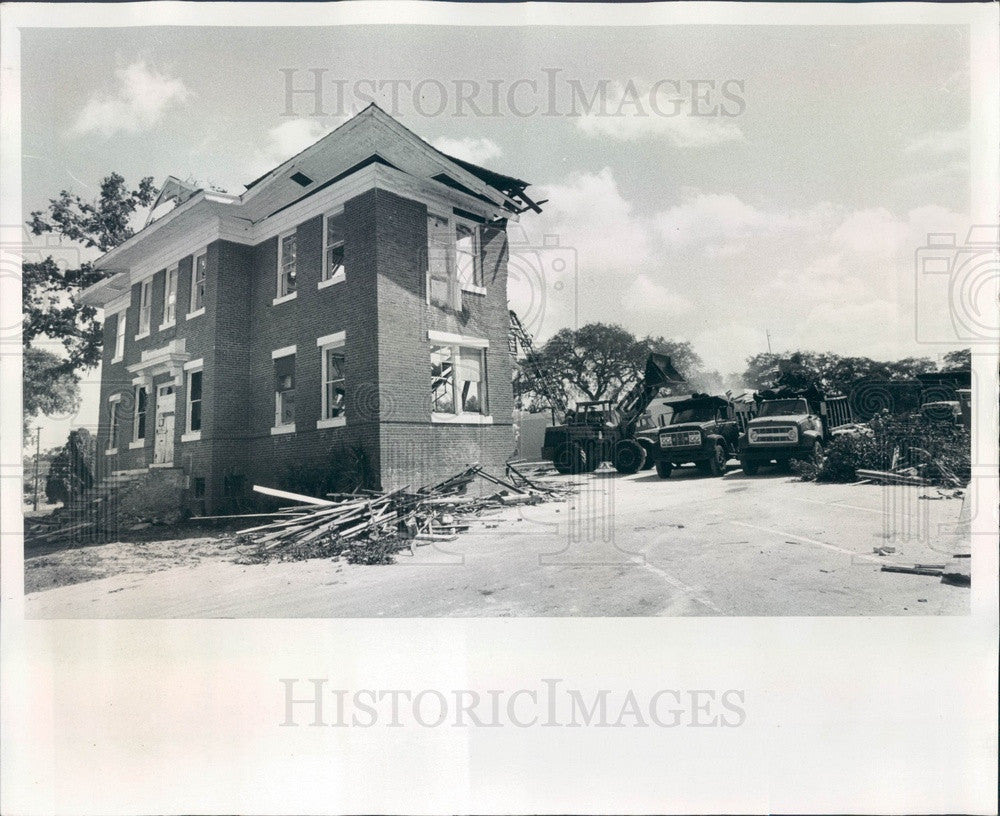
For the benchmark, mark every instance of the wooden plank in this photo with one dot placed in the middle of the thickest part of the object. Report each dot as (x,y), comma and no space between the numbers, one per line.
(284,494)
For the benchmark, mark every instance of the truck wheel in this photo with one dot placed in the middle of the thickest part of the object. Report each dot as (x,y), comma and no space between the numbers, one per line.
(717,464)
(749,466)
(570,459)
(629,456)
(648,447)
(663,469)
(817,454)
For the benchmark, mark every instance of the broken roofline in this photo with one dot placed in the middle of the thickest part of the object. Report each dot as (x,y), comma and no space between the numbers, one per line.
(506,193)
(511,188)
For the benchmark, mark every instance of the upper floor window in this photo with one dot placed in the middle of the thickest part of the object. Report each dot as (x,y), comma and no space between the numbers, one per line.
(468,264)
(145,306)
(170,298)
(114,421)
(120,335)
(287,250)
(194,379)
(198,270)
(333,249)
(442,285)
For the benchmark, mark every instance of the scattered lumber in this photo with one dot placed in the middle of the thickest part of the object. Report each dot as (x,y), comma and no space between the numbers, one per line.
(370,527)
(915,569)
(892,477)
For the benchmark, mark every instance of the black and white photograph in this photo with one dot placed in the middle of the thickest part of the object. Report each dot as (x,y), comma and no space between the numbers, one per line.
(652,327)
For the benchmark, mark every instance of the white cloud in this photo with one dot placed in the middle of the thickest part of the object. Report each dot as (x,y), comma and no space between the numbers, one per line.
(476,151)
(645,295)
(142,97)
(634,110)
(938,142)
(284,141)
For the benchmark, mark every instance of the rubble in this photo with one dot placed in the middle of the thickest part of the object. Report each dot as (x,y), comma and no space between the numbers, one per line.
(370,527)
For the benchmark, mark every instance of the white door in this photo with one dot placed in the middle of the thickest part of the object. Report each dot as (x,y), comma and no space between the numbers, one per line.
(163,442)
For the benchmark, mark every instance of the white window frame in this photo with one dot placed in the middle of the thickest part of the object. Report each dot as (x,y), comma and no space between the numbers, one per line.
(456,342)
(114,423)
(326,278)
(193,367)
(477,255)
(169,309)
(139,441)
(280,272)
(193,310)
(120,327)
(145,308)
(338,340)
(277,428)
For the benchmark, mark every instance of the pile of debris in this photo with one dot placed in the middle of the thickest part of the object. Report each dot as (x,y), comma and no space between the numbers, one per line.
(928,470)
(370,527)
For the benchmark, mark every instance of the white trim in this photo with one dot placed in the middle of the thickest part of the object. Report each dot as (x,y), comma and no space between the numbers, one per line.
(111,451)
(448,338)
(332,422)
(287,351)
(170,325)
(283,429)
(461,419)
(119,304)
(115,398)
(191,436)
(136,444)
(196,313)
(161,465)
(335,339)
(142,336)
(284,298)
(340,277)
(192,364)
(473,289)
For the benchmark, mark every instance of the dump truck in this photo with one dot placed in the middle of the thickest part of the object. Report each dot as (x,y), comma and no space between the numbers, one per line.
(703,430)
(602,430)
(792,425)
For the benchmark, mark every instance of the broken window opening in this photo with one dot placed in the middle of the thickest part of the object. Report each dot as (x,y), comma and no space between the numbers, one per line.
(333,254)
(286,264)
(284,391)
(198,282)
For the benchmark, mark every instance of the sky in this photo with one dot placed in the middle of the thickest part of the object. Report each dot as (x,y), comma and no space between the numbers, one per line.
(789,210)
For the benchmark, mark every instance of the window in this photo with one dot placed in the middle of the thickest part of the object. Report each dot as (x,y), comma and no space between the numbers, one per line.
(194,383)
(458,380)
(139,421)
(120,336)
(114,402)
(333,249)
(442,288)
(169,298)
(198,269)
(145,306)
(468,265)
(286,264)
(284,390)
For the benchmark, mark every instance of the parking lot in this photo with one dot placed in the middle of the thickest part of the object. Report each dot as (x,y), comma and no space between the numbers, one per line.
(622,546)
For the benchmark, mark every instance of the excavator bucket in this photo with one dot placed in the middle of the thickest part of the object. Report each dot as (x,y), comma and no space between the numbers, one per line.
(660,371)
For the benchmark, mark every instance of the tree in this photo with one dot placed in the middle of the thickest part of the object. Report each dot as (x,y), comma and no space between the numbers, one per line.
(960,360)
(48,290)
(826,371)
(47,389)
(597,361)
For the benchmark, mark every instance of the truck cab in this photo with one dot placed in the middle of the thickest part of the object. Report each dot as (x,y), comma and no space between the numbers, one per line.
(702,430)
(790,426)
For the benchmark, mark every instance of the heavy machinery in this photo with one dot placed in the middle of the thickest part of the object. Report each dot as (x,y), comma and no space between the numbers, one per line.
(601,430)
(792,424)
(702,429)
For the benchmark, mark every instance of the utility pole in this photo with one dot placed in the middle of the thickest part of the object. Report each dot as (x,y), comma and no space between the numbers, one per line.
(767,333)
(38,447)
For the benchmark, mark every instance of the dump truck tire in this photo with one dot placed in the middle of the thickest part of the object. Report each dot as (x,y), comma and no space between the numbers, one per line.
(664,469)
(629,456)
(717,464)
(749,466)
(648,447)
(817,454)
(570,459)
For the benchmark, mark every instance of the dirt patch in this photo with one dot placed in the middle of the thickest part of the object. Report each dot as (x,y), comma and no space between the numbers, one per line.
(89,563)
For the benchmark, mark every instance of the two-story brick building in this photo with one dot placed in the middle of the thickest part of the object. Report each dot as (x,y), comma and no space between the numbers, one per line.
(351,303)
